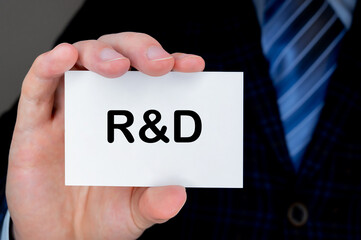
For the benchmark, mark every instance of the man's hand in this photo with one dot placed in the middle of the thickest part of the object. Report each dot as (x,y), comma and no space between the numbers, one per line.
(41,206)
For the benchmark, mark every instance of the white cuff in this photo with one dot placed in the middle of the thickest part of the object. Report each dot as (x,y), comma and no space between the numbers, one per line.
(6,227)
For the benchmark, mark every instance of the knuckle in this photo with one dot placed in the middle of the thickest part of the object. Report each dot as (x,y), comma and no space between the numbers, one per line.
(40,65)
(85,43)
(136,36)
(104,37)
(40,59)
(147,39)
(128,37)
(54,63)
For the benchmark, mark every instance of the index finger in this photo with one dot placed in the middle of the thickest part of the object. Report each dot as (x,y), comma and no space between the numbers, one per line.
(144,52)
(147,55)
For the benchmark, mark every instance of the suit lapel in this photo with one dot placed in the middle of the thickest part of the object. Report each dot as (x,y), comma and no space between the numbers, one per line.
(261,95)
(261,101)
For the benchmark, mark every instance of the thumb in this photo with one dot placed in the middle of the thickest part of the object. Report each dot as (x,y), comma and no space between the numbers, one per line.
(156,204)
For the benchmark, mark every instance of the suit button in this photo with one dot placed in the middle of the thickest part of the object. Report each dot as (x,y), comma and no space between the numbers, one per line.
(297,214)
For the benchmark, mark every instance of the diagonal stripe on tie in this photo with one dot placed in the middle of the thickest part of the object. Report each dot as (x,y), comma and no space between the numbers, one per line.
(300,38)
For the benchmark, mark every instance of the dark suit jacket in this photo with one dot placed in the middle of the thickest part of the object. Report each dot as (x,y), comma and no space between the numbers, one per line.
(328,183)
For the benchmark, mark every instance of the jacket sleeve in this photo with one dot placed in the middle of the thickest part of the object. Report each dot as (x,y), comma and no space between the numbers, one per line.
(7,123)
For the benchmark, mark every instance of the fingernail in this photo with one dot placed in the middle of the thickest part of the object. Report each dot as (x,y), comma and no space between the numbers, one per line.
(156,53)
(109,55)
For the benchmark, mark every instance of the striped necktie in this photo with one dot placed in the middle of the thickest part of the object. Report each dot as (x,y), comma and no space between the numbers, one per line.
(300,39)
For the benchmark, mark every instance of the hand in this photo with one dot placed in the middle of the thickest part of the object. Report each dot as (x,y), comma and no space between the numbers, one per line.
(41,206)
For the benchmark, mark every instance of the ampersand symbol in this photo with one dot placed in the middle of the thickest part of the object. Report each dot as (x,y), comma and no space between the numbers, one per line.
(150,124)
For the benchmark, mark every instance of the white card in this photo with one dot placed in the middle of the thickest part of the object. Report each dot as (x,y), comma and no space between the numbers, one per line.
(137,130)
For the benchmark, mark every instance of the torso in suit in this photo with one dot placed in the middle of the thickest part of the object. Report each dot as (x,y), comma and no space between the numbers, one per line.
(327,187)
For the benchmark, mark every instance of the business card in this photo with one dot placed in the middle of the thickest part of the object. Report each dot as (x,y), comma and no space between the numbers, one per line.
(138,130)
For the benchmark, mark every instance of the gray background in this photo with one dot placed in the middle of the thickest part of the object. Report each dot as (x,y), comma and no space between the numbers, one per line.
(27,29)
